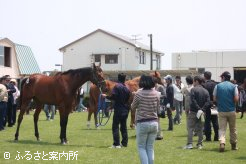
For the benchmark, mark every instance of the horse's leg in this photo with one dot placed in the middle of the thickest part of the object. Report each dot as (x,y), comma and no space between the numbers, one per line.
(35,119)
(89,118)
(132,123)
(95,118)
(23,109)
(63,125)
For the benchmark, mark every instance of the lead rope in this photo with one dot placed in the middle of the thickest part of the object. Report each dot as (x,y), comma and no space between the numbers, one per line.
(101,110)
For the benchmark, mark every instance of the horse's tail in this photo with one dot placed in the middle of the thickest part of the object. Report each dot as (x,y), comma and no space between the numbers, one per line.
(21,89)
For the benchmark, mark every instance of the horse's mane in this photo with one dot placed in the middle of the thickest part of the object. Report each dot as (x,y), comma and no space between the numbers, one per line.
(76,71)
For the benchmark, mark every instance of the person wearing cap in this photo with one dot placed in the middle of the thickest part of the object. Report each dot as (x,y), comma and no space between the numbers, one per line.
(16,94)
(168,102)
(226,95)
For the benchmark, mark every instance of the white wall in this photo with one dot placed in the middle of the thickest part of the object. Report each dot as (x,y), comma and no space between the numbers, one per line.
(79,54)
(216,62)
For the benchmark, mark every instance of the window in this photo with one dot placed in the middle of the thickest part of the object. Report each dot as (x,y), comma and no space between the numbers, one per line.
(97,58)
(111,59)
(201,70)
(142,57)
(5,56)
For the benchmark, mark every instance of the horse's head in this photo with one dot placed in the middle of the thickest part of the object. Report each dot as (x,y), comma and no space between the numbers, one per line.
(157,75)
(97,77)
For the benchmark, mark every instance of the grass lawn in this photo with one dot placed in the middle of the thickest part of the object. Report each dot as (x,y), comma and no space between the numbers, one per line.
(92,145)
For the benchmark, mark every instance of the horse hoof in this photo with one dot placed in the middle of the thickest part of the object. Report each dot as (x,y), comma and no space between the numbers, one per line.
(38,139)
(16,140)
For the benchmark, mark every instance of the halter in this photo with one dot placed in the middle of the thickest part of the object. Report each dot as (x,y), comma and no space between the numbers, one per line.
(101,109)
(96,80)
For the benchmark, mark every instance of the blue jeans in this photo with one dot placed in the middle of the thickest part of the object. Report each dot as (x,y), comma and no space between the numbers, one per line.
(80,105)
(146,134)
(52,109)
(179,109)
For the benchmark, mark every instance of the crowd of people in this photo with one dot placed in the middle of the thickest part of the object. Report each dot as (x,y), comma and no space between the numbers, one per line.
(198,98)
(206,104)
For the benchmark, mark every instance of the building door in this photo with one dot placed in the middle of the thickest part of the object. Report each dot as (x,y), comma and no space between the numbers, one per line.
(239,74)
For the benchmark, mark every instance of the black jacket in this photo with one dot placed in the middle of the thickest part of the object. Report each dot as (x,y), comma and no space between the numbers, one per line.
(209,85)
(169,94)
(199,99)
(12,90)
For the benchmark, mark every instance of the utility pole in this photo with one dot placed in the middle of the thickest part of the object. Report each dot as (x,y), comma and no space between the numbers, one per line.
(151,50)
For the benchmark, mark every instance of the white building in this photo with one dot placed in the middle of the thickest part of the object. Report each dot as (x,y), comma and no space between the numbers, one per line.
(214,61)
(113,51)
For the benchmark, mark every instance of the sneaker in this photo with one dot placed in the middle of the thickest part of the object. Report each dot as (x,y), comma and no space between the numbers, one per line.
(222,147)
(199,146)
(122,146)
(115,147)
(159,138)
(188,146)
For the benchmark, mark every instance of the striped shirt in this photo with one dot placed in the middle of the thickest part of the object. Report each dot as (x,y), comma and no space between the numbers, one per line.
(146,103)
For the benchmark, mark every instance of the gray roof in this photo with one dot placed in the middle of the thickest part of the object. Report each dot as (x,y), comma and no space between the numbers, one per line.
(26,60)
(117,36)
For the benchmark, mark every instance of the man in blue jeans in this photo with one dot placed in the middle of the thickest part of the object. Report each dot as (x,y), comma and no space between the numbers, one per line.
(120,95)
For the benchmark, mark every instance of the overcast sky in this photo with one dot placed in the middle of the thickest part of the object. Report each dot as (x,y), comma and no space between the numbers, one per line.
(176,25)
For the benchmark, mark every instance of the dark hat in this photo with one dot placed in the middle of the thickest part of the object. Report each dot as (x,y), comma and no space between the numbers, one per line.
(226,74)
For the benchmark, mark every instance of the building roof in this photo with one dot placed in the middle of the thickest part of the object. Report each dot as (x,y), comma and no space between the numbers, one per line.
(26,60)
(117,36)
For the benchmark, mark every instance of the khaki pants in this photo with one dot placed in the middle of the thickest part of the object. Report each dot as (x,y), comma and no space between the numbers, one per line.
(229,117)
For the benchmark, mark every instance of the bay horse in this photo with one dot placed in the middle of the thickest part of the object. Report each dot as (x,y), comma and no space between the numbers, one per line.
(59,90)
(132,85)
